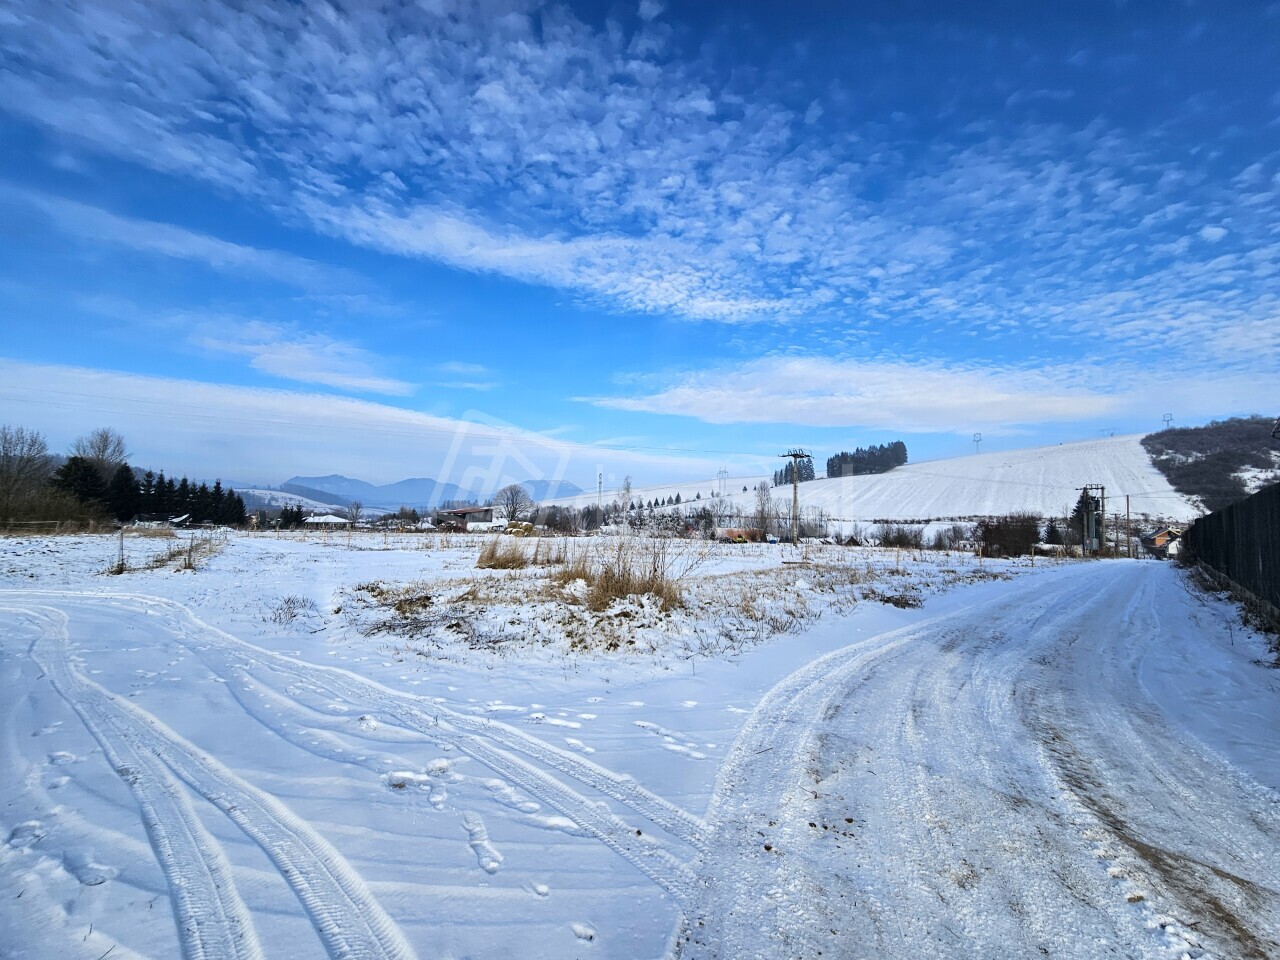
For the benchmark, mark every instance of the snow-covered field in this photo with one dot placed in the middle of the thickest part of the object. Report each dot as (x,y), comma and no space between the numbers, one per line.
(366,747)
(1043,480)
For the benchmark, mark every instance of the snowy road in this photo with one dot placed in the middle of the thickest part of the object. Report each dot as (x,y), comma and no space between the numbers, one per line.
(1037,769)
(994,783)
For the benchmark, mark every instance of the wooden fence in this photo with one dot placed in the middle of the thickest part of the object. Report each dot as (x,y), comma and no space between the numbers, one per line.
(1242,543)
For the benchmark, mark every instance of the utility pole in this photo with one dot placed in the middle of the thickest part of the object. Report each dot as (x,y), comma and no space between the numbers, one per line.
(977,443)
(1128,527)
(795,455)
(1094,507)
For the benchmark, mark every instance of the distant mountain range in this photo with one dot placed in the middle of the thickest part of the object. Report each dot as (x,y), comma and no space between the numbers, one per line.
(417,492)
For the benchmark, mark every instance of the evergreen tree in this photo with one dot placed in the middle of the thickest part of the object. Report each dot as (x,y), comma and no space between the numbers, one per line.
(201,503)
(147,493)
(181,502)
(122,493)
(1053,534)
(80,478)
(170,496)
(216,498)
(879,458)
(232,509)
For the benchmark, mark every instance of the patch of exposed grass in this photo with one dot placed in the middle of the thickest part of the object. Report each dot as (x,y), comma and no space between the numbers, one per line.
(502,553)
(631,568)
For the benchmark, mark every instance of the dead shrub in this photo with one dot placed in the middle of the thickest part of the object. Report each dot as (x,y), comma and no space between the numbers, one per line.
(632,568)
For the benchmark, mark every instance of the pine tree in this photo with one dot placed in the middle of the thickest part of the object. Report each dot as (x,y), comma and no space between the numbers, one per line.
(201,503)
(233,510)
(147,493)
(80,478)
(181,503)
(122,493)
(161,497)
(216,497)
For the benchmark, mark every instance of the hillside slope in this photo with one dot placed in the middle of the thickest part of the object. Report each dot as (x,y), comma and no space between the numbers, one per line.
(1043,480)
(1220,462)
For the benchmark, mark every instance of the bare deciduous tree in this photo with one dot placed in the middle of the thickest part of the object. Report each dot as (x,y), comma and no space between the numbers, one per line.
(764,507)
(355,512)
(104,448)
(25,465)
(513,500)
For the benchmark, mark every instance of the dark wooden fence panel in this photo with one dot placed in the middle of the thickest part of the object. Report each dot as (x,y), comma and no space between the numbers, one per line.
(1242,542)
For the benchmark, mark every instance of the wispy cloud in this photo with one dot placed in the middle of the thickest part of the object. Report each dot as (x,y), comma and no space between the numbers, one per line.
(164,239)
(292,354)
(460,375)
(925,397)
(268,434)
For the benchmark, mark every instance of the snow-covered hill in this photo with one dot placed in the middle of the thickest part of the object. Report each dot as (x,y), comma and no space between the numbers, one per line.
(261,499)
(1044,480)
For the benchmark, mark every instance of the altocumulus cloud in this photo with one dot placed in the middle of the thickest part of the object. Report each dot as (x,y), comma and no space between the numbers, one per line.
(610,163)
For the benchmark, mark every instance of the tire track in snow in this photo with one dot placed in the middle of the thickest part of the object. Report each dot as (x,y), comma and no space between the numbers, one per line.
(506,755)
(1180,821)
(213,922)
(422,713)
(646,855)
(348,920)
(858,812)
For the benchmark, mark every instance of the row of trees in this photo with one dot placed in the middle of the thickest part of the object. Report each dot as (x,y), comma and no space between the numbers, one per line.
(878,458)
(157,495)
(95,482)
(801,467)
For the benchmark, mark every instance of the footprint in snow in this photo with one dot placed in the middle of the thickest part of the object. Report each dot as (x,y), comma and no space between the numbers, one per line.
(26,834)
(60,758)
(47,729)
(487,855)
(81,866)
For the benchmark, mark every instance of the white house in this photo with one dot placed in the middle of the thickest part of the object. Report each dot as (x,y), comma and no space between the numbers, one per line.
(327,520)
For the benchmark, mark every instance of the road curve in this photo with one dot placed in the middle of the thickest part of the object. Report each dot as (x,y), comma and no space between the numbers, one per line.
(997,784)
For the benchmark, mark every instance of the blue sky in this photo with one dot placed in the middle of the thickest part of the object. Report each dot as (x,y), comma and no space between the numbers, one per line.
(640,238)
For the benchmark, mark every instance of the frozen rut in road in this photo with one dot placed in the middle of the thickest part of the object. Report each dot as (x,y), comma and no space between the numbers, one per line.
(995,782)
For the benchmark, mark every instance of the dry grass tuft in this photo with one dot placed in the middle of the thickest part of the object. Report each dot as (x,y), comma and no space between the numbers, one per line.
(632,568)
(502,553)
